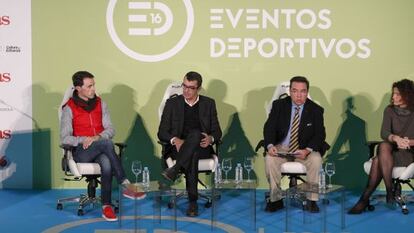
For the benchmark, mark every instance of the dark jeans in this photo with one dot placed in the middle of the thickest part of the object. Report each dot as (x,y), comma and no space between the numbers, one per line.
(103,153)
(187,160)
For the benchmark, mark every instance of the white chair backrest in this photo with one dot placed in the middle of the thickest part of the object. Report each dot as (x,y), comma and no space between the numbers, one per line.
(281,91)
(68,94)
(172,89)
(87,168)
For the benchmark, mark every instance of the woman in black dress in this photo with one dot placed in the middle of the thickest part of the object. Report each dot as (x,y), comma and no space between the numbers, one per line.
(397,131)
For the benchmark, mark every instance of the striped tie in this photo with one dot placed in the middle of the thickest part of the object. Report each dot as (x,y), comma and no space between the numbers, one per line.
(293,143)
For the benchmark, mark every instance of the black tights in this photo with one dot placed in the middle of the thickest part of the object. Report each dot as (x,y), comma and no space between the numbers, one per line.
(381,168)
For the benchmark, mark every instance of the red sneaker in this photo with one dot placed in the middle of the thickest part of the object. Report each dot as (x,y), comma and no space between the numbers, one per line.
(108,213)
(131,194)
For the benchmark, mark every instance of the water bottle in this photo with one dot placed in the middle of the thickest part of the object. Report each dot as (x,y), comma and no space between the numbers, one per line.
(322,180)
(146,177)
(239,173)
(217,174)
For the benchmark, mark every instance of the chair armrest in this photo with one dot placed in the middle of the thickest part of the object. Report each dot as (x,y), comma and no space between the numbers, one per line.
(259,145)
(372,145)
(68,164)
(66,147)
(121,147)
(163,143)
(217,142)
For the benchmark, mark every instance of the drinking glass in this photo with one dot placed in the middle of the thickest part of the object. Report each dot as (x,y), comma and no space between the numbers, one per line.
(136,169)
(226,166)
(248,165)
(330,171)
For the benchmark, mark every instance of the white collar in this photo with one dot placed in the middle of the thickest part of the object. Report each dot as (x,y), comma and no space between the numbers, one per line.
(196,101)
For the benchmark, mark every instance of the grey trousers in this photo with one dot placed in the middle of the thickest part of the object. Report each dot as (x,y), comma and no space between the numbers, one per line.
(313,163)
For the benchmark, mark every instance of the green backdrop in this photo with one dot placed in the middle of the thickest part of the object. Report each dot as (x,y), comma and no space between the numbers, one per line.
(73,35)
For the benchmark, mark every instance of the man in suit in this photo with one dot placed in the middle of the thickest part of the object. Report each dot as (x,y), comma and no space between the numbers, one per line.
(190,125)
(295,125)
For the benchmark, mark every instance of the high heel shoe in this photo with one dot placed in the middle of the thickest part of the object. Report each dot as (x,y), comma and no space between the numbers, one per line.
(359,207)
(390,198)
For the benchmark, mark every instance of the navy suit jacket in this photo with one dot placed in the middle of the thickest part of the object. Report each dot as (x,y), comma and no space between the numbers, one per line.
(311,127)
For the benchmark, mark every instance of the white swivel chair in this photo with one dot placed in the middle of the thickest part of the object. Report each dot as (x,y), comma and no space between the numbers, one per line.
(291,169)
(400,175)
(77,171)
(204,165)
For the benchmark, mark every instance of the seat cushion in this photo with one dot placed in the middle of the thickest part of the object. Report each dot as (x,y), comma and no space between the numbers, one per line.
(80,169)
(89,168)
(402,173)
(293,168)
(203,164)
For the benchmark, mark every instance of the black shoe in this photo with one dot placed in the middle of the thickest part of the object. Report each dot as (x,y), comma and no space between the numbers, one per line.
(169,174)
(192,210)
(359,207)
(274,206)
(311,206)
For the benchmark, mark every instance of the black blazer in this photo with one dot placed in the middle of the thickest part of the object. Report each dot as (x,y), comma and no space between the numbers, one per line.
(172,120)
(311,127)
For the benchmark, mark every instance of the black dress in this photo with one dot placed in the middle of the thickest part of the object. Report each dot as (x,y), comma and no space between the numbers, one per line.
(394,121)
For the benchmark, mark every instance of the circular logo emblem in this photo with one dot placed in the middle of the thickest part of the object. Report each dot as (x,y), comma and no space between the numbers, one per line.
(198,224)
(150,31)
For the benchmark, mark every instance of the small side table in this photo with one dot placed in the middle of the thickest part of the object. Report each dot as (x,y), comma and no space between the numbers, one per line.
(155,189)
(233,186)
(303,190)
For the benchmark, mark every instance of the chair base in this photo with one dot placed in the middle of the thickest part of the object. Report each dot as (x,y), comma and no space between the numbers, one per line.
(83,200)
(184,195)
(401,201)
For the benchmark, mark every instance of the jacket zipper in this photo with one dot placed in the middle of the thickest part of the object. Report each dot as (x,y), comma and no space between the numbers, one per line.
(90,119)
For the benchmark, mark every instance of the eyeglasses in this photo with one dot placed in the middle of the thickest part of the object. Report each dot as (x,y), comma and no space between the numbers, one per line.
(188,87)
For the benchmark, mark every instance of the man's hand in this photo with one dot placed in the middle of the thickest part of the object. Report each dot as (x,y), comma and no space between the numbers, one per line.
(89,140)
(302,154)
(178,142)
(206,141)
(272,151)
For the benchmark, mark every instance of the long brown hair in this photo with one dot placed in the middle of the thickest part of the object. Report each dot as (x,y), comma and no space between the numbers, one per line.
(406,89)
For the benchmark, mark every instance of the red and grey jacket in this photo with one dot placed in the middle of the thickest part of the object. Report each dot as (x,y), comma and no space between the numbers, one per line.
(86,123)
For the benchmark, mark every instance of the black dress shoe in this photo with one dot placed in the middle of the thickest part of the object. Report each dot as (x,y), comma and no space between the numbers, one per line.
(169,174)
(192,210)
(274,206)
(311,206)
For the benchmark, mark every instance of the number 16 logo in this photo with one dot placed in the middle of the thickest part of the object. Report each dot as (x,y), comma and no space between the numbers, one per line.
(155,18)
(152,20)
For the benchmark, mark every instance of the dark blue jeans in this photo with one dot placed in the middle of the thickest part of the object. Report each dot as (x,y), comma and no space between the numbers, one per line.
(103,153)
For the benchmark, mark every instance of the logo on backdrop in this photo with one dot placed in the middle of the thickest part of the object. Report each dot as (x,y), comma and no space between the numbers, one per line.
(147,30)
(10,49)
(5,77)
(4,20)
(5,133)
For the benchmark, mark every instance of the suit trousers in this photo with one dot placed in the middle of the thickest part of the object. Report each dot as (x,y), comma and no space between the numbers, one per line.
(313,163)
(187,161)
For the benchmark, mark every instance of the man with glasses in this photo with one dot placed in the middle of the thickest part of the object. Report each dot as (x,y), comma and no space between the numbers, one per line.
(295,126)
(189,123)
